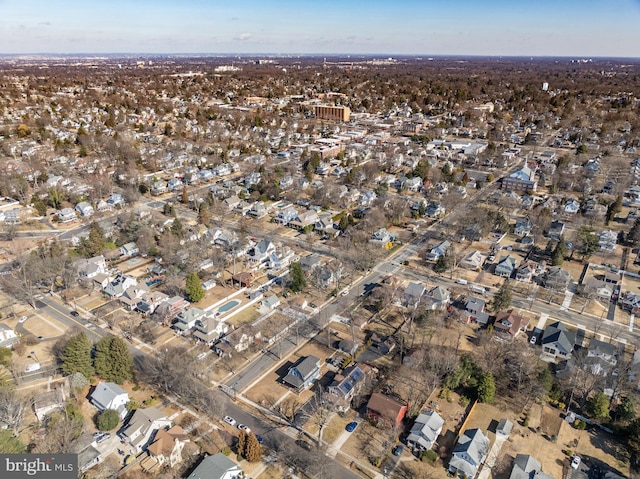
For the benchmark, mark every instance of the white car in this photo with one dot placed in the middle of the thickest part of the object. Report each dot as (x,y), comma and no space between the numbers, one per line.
(229,420)
(242,427)
(201,356)
(345,292)
(22,319)
(534,339)
(575,461)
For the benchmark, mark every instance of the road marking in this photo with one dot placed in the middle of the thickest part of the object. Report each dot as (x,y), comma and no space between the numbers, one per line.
(568,296)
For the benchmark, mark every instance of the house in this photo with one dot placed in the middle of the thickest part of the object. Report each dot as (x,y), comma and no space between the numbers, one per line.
(217,466)
(469,453)
(473,260)
(475,310)
(607,241)
(383,237)
(425,431)
(110,396)
(556,230)
(557,341)
(85,209)
(66,214)
(413,184)
(527,467)
(504,428)
(525,271)
(437,298)
(571,207)
(159,187)
(133,294)
(261,251)
(8,337)
(386,410)
(209,328)
(258,210)
(129,249)
(286,215)
(506,266)
(271,302)
(167,447)
(598,289)
(89,268)
(119,285)
(509,323)
(523,227)
(186,320)
(238,340)
(116,199)
(601,356)
(434,209)
(170,308)
(345,386)
(303,374)
(142,426)
(150,301)
(47,402)
(413,294)
(557,279)
(305,220)
(438,251)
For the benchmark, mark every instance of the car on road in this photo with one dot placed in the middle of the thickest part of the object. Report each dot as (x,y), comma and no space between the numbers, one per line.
(351,426)
(40,338)
(397,451)
(534,339)
(75,314)
(259,438)
(344,292)
(229,420)
(304,444)
(22,319)
(575,461)
(242,427)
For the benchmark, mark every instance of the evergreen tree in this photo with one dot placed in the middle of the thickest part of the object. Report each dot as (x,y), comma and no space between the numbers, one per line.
(613,209)
(441,264)
(559,253)
(598,405)
(108,420)
(10,444)
(298,280)
(252,449)
(633,238)
(626,410)
(94,244)
(194,289)
(486,388)
(502,299)
(176,227)
(242,442)
(77,356)
(113,361)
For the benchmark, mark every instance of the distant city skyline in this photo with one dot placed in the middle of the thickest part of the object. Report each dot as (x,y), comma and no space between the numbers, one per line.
(586,28)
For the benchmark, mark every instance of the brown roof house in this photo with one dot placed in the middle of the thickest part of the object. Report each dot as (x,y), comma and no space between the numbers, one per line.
(386,410)
(510,323)
(166,448)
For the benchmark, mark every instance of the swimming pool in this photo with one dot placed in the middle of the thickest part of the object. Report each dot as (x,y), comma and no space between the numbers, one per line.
(227,306)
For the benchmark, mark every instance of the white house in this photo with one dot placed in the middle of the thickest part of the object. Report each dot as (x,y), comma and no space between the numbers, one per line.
(142,426)
(110,396)
(66,214)
(7,336)
(129,249)
(85,209)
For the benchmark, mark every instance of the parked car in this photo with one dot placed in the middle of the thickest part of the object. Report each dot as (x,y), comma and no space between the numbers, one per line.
(229,420)
(75,314)
(397,451)
(101,436)
(534,339)
(259,438)
(242,427)
(22,319)
(304,444)
(575,461)
(351,426)
(201,356)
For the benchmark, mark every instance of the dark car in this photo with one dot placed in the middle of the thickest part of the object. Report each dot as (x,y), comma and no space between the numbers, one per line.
(259,438)
(304,444)
(397,451)
(351,426)
(75,314)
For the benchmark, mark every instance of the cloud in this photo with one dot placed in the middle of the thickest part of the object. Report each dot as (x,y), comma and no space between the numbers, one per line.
(235,19)
(243,36)
(48,24)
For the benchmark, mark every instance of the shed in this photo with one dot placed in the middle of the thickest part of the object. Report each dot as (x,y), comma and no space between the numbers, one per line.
(504,428)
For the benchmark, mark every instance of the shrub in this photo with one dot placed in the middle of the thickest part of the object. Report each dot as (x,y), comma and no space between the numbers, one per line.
(429,456)
(464,401)
(578,424)
(108,420)
(226,451)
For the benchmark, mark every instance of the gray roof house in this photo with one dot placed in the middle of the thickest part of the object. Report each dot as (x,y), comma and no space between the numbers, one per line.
(143,425)
(110,396)
(469,453)
(303,374)
(217,466)
(557,341)
(527,467)
(557,279)
(438,251)
(425,431)
(473,260)
(413,294)
(506,266)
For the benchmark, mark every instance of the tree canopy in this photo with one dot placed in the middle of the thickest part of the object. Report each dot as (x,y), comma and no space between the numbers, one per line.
(486,388)
(108,420)
(77,356)
(503,297)
(193,288)
(113,361)
(297,277)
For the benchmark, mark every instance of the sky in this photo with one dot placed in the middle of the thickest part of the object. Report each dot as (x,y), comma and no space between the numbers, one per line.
(573,28)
